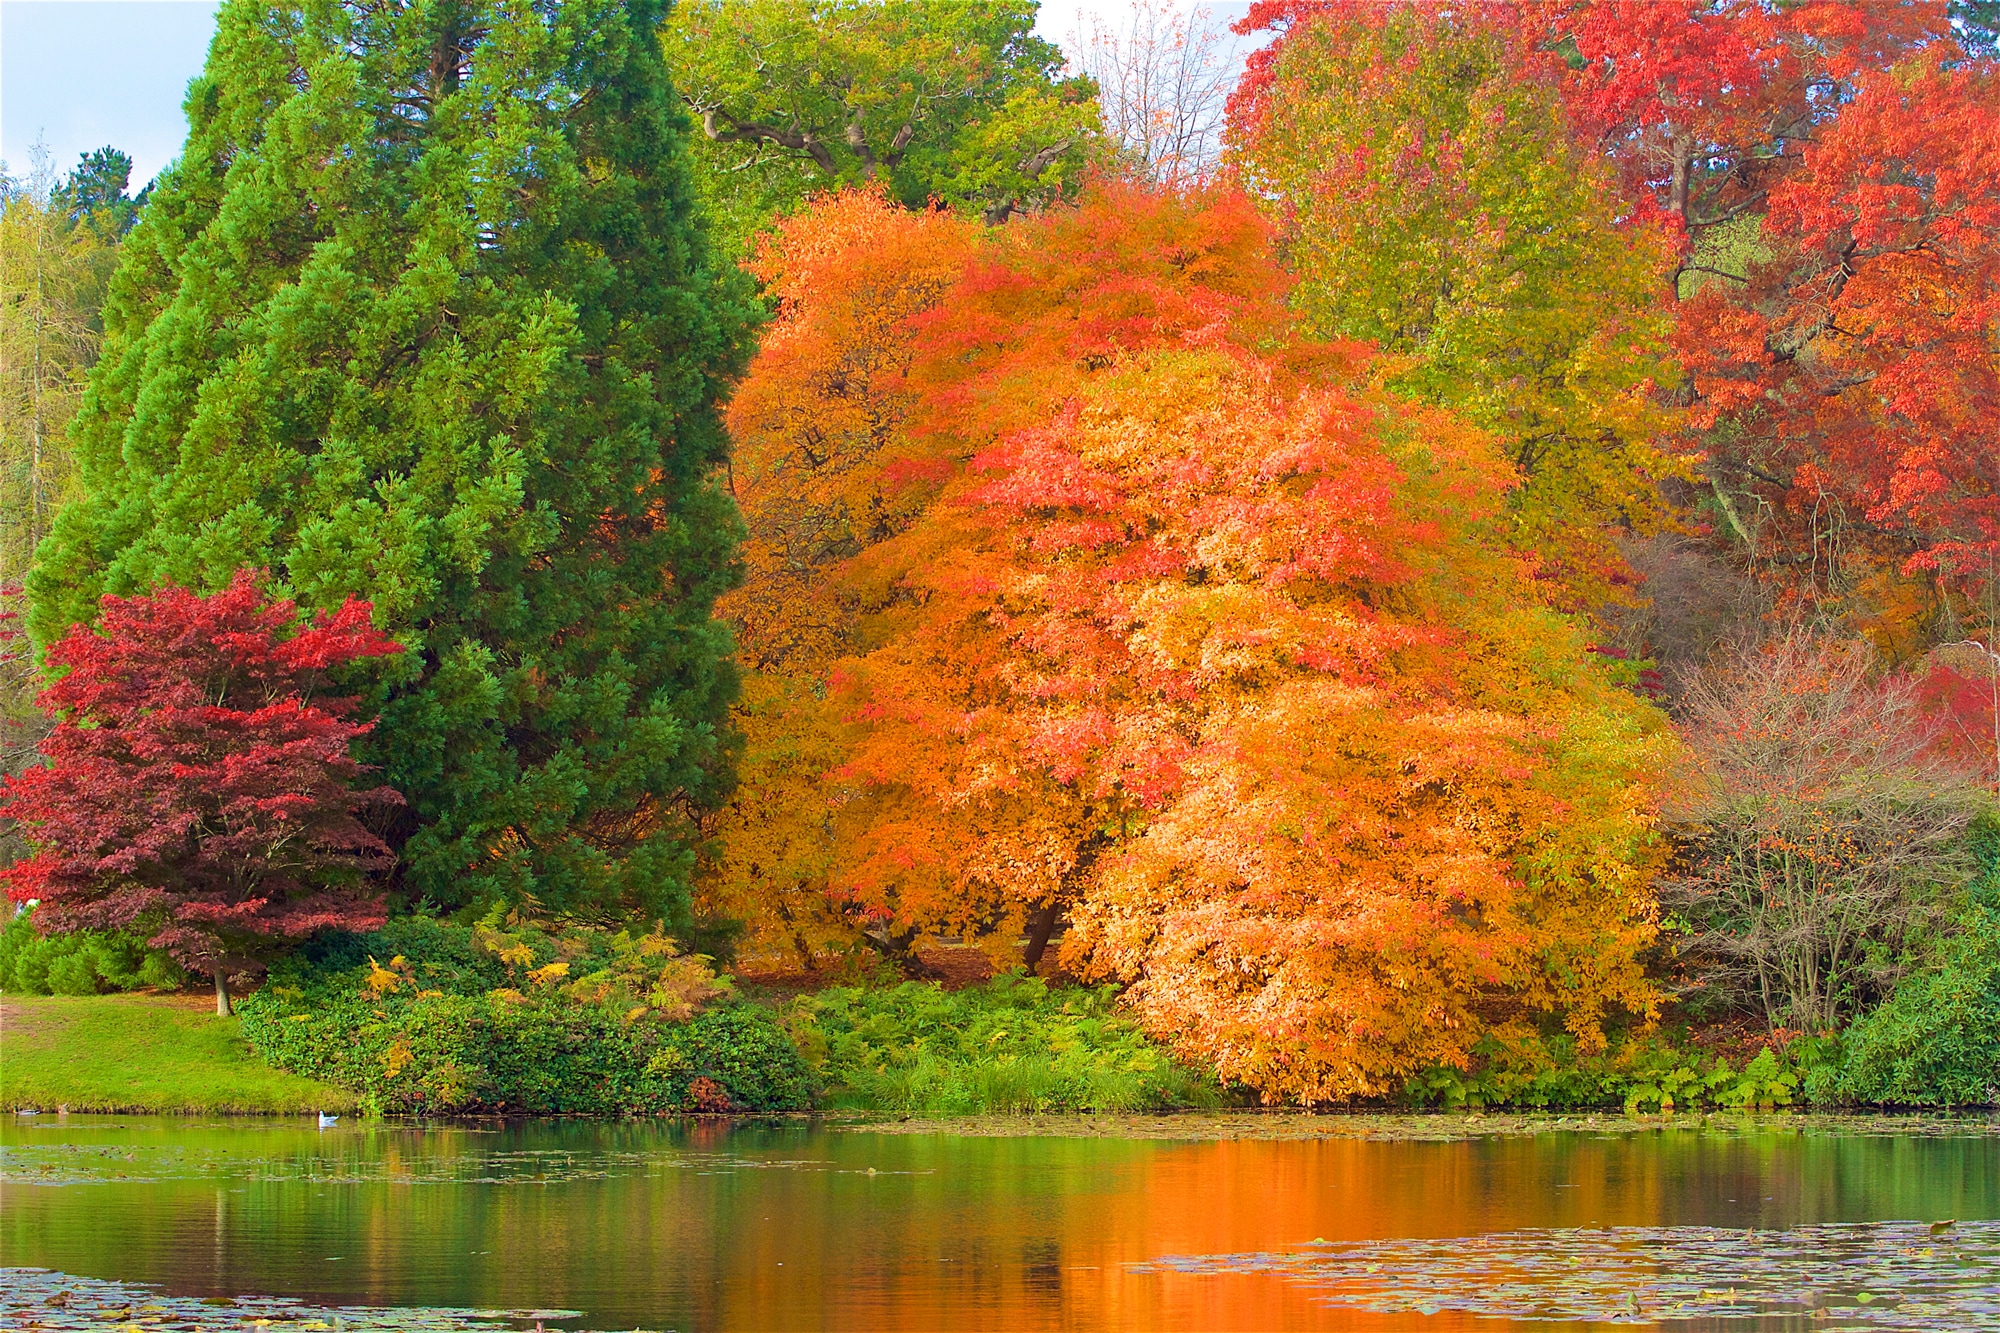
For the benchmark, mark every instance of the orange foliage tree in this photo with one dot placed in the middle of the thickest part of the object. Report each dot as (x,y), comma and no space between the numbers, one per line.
(1184,633)
(823,467)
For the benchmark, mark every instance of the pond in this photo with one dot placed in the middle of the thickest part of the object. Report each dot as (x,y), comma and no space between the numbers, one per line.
(1185,1223)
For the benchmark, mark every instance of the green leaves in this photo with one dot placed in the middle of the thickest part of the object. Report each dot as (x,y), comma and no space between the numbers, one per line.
(957,103)
(1011,1045)
(1432,203)
(424,316)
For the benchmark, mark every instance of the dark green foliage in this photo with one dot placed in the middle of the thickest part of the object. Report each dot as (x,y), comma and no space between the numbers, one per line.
(1011,1045)
(96,188)
(91,962)
(442,956)
(426,1017)
(424,314)
(1936,1042)
(458,1054)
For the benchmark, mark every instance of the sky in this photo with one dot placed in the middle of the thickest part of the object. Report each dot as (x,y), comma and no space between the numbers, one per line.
(85,73)
(80,74)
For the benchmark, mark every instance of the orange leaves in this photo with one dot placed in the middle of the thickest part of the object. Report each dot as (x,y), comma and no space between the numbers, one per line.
(1193,638)
(823,464)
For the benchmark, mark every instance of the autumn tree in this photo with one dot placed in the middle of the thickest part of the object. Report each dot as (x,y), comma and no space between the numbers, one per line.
(53,270)
(1771,138)
(1846,376)
(1702,108)
(958,103)
(57,247)
(199,787)
(424,314)
(1431,200)
(1170,562)
(823,466)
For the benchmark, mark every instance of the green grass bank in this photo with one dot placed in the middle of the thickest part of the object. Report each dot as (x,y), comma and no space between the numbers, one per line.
(141,1053)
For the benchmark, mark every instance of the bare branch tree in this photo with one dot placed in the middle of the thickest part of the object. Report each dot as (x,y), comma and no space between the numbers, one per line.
(1820,826)
(1162,83)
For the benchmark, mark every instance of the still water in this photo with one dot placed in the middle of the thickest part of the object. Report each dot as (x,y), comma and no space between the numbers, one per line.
(1773,1224)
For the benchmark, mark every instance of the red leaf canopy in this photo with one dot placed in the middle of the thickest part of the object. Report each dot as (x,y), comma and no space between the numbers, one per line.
(199,785)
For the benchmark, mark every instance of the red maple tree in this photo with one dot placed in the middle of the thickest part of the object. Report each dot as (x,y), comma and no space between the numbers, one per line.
(198,785)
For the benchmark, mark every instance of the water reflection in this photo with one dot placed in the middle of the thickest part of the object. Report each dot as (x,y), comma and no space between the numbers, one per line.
(782,1226)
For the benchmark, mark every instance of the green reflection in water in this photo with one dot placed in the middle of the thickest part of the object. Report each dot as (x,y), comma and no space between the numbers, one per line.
(780,1225)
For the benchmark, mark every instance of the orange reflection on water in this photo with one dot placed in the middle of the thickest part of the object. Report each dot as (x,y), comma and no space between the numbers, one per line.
(777,1227)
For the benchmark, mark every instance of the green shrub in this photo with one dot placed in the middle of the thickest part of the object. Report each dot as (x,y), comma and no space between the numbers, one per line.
(426,1017)
(86,963)
(1936,1040)
(1638,1073)
(1011,1045)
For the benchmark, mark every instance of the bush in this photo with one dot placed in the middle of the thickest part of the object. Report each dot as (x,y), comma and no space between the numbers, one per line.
(1936,1040)
(1823,832)
(1639,1073)
(524,1019)
(1011,1045)
(90,962)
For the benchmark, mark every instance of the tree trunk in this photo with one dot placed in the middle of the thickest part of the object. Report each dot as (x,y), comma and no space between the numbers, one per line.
(222,1009)
(1041,926)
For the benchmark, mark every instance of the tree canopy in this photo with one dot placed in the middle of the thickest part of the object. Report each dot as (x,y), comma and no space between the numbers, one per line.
(199,788)
(1149,560)
(955,103)
(424,314)
(1431,201)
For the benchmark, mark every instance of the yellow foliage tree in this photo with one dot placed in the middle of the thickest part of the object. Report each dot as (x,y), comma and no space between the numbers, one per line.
(1430,200)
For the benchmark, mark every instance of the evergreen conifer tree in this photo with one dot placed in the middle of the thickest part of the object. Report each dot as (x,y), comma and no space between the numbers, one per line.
(424,315)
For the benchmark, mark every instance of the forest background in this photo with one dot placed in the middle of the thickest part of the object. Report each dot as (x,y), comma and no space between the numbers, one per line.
(1423,567)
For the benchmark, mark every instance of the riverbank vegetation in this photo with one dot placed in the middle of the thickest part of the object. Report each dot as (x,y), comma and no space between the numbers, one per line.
(142,1054)
(1473,584)
(1014,1045)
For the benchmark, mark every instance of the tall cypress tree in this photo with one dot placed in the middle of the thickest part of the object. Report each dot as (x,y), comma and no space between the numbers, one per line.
(424,314)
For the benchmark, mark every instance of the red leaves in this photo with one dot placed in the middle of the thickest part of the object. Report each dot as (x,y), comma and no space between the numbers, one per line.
(199,786)
(1857,363)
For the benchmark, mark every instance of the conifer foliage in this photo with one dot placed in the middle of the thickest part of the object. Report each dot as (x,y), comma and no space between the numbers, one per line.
(423,316)
(199,786)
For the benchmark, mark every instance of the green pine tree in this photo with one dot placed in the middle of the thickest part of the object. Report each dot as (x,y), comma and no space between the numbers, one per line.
(425,314)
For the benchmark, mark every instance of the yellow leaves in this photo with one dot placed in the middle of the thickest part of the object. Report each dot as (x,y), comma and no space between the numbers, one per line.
(382,980)
(397,1058)
(1446,216)
(682,986)
(543,976)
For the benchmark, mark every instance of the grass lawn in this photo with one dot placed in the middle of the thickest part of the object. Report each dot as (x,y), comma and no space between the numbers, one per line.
(140,1053)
